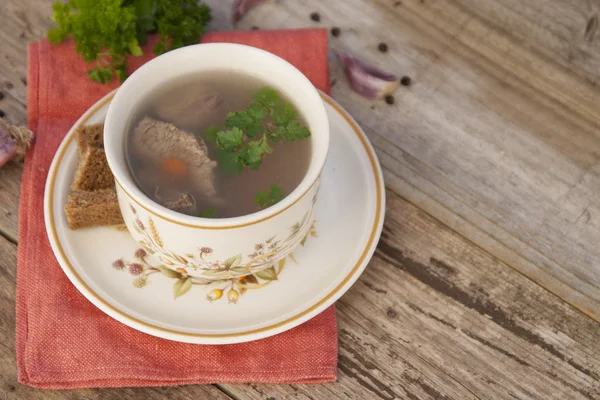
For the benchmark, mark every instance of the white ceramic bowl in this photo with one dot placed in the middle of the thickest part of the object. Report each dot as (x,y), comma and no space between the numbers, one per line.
(227,247)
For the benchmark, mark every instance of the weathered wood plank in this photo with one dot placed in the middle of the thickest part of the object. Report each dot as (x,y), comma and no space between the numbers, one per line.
(499,137)
(20,22)
(566,33)
(436,317)
(10,188)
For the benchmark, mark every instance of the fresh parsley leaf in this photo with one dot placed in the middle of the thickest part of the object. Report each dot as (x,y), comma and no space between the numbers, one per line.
(180,22)
(230,163)
(210,134)
(257,111)
(250,121)
(61,16)
(266,97)
(144,9)
(276,135)
(101,29)
(283,113)
(106,31)
(121,70)
(94,74)
(262,199)
(254,152)
(254,130)
(55,36)
(134,48)
(208,213)
(121,74)
(268,117)
(230,139)
(100,74)
(276,193)
(239,119)
(159,47)
(266,199)
(293,130)
(263,146)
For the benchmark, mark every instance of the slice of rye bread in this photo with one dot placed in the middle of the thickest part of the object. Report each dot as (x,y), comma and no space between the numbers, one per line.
(93,172)
(97,208)
(94,200)
(90,135)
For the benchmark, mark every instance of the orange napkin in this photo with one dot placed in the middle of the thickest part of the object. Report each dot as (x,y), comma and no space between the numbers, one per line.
(63,341)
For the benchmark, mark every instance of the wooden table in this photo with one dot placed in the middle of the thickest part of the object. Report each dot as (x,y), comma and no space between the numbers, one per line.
(486,282)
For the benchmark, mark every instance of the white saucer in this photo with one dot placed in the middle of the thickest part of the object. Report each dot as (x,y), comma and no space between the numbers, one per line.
(349,219)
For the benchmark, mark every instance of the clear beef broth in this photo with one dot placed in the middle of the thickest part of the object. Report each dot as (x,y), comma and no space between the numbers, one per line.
(219,94)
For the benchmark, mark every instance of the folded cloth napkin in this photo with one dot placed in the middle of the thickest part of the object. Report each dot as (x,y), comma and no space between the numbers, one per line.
(63,341)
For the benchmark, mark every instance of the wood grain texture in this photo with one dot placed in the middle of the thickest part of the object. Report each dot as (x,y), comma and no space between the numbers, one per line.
(20,22)
(496,137)
(436,317)
(10,189)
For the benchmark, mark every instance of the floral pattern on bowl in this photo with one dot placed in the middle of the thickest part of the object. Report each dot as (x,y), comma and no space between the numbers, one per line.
(201,265)
(230,288)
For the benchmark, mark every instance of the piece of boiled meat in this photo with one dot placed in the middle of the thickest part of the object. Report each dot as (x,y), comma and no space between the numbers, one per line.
(189,109)
(177,201)
(154,141)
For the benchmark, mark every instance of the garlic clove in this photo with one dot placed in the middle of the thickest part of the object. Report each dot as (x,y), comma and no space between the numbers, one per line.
(14,142)
(241,7)
(366,80)
(8,146)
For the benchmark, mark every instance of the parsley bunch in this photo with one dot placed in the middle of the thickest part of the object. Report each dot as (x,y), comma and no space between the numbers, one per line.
(245,141)
(106,31)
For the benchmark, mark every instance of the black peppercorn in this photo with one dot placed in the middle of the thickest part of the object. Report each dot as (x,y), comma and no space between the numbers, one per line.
(2,114)
(383,47)
(389,99)
(405,81)
(335,31)
(315,17)
(1,95)
(254,28)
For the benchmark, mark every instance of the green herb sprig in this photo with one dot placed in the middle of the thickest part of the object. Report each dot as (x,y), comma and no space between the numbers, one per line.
(106,31)
(208,213)
(266,199)
(247,134)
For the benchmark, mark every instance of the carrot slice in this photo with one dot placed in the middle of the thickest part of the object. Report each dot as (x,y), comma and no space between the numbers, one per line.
(174,167)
